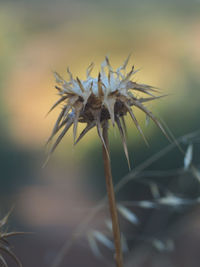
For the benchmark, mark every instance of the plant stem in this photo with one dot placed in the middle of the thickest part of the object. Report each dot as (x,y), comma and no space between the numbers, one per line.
(111,198)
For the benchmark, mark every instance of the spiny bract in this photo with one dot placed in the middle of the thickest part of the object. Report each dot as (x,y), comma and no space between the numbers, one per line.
(4,244)
(96,100)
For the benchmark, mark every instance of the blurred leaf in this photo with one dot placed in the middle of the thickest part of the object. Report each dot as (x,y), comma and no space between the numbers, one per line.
(103,239)
(127,214)
(147,120)
(93,245)
(196,173)
(173,201)
(146,204)
(109,224)
(154,190)
(124,243)
(168,245)
(188,157)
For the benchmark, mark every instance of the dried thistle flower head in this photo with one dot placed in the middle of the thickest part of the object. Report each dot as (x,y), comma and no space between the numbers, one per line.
(4,244)
(95,101)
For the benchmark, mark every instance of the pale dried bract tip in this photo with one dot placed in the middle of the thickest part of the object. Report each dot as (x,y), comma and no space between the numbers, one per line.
(95,101)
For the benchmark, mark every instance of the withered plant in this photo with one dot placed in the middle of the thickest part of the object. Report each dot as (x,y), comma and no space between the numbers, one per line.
(95,102)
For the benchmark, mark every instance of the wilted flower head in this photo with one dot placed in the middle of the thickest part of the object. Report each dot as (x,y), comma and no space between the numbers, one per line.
(95,101)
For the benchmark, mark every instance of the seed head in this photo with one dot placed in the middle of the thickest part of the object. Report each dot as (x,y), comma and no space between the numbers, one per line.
(95,101)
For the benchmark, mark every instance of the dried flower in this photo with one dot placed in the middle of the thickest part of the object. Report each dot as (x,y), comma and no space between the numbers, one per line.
(94,101)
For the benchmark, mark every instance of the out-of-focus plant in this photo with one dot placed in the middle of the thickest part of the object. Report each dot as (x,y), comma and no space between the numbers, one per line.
(5,247)
(163,197)
(95,101)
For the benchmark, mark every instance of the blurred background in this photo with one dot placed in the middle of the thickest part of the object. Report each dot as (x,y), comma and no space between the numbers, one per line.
(39,37)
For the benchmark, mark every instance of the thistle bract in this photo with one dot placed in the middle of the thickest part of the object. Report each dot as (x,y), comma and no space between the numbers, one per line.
(4,244)
(96,100)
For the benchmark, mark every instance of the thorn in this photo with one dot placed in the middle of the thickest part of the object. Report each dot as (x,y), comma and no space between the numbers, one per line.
(122,134)
(149,113)
(136,123)
(80,85)
(57,103)
(82,134)
(100,91)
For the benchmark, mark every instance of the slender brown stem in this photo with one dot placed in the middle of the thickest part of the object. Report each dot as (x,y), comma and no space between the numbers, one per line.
(111,199)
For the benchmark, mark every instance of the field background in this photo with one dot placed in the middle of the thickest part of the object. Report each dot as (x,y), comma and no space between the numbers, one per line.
(38,37)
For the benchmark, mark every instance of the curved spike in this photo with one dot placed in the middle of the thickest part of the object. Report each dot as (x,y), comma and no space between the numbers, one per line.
(142,88)
(75,127)
(86,95)
(70,104)
(85,130)
(5,218)
(58,78)
(126,62)
(3,240)
(5,235)
(57,103)
(89,69)
(142,91)
(109,76)
(11,254)
(67,109)
(136,122)
(109,102)
(56,126)
(149,113)
(80,85)
(129,74)
(58,88)
(142,100)
(124,125)
(100,91)
(70,74)
(149,87)
(99,130)
(3,262)
(122,134)
(109,68)
(108,62)
(67,126)
(77,113)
